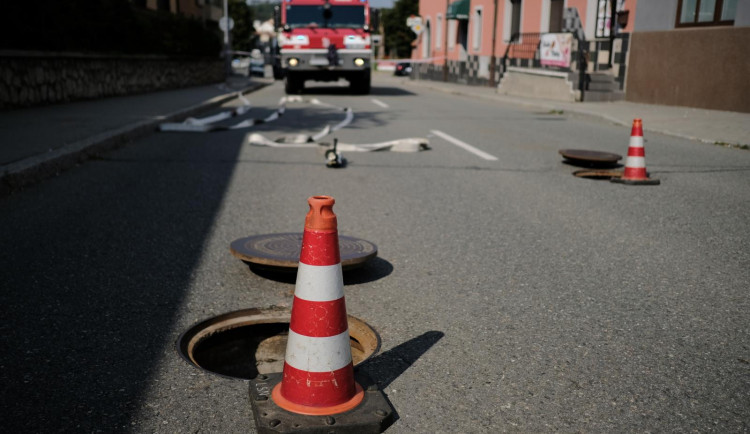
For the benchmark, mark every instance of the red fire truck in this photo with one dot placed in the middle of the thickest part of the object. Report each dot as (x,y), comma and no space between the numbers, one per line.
(325,40)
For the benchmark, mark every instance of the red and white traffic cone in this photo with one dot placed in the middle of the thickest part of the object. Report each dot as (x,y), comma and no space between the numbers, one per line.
(318,376)
(635,163)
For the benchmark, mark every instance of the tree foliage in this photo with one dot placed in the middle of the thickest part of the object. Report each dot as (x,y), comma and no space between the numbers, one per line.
(398,36)
(263,11)
(243,33)
(103,26)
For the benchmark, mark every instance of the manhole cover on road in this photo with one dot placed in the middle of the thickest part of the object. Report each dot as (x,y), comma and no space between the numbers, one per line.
(249,342)
(280,252)
(583,157)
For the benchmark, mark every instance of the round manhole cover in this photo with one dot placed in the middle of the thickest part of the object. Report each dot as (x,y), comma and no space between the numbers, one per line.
(597,174)
(583,157)
(280,252)
(249,342)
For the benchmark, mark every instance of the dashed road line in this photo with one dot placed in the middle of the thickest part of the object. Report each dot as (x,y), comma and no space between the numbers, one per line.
(380,103)
(464,145)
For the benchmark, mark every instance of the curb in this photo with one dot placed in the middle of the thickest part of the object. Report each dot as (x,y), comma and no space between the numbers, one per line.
(31,170)
(551,105)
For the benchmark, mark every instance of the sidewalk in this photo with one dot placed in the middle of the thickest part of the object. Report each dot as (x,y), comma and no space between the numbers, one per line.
(38,142)
(710,126)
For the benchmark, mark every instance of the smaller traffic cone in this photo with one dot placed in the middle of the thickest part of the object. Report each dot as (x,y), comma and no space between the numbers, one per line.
(635,163)
(318,376)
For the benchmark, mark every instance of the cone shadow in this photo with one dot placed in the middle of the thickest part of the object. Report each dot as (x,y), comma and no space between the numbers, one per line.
(381,370)
(386,367)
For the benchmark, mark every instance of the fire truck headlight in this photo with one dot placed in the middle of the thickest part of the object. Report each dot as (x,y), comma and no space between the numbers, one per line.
(293,62)
(359,61)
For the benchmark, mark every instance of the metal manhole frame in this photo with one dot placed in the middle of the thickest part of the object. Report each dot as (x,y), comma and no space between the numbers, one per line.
(202,330)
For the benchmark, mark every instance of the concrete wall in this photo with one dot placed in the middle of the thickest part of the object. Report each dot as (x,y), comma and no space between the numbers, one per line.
(37,78)
(538,84)
(695,67)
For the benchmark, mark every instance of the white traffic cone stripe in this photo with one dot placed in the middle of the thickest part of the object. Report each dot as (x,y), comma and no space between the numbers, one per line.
(319,282)
(635,162)
(636,142)
(318,354)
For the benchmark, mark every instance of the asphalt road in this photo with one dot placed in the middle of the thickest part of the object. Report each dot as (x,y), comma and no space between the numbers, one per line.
(508,294)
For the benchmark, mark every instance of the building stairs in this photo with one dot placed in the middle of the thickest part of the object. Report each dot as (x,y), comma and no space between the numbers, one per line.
(602,86)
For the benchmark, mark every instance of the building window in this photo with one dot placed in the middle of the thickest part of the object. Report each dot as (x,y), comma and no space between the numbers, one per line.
(603,18)
(515,20)
(462,38)
(438,32)
(555,15)
(705,12)
(427,43)
(476,35)
(452,33)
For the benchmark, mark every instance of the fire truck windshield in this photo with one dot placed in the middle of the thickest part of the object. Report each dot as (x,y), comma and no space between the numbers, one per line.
(340,17)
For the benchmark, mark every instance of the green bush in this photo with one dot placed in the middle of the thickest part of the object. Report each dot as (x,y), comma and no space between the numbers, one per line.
(103,26)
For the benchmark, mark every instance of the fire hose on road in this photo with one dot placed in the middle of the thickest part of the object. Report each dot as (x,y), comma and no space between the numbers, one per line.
(208,124)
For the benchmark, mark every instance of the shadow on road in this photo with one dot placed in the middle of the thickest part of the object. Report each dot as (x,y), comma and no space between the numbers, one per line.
(95,265)
(344,90)
(386,367)
(390,91)
(372,270)
(383,369)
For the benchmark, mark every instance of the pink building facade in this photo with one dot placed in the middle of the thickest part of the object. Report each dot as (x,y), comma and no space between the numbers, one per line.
(474,41)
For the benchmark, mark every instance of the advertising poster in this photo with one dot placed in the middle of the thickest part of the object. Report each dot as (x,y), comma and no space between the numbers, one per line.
(555,49)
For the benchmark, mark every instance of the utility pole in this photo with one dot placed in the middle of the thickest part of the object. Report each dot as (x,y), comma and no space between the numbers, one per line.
(493,59)
(445,45)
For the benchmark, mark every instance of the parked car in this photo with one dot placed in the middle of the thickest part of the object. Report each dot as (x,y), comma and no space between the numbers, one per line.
(402,68)
(257,67)
(241,66)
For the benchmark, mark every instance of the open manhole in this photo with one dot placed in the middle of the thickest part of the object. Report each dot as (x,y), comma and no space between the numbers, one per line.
(280,252)
(249,342)
(597,174)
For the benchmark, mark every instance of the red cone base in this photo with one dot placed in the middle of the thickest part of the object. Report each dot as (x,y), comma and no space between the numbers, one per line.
(284,403)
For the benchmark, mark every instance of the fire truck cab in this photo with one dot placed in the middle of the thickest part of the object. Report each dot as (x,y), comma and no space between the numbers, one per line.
(325,40)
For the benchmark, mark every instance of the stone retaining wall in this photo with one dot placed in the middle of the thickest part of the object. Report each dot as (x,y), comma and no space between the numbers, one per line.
(37,78)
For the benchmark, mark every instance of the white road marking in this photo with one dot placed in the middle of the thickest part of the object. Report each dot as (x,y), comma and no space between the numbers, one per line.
(464,145)
(379,102)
